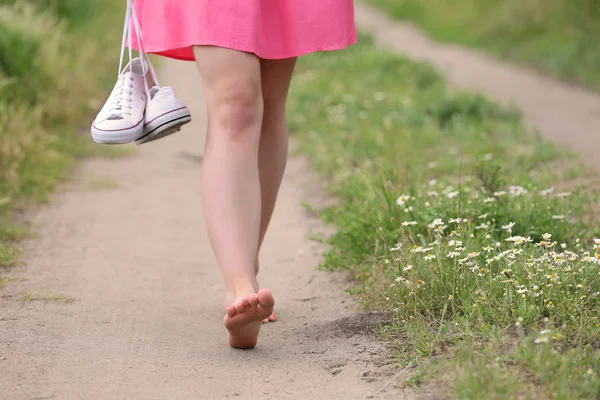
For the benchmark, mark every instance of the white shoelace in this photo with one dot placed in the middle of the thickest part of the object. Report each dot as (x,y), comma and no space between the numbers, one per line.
(121,98)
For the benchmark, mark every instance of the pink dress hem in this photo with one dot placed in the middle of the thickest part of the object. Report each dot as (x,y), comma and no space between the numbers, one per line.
(174,50)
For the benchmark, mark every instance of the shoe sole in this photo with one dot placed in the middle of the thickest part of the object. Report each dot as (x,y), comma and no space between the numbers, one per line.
(121,136)
(165,125)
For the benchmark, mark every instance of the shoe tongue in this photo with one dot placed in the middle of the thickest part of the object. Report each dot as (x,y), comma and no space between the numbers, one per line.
(136,66)
(153,91)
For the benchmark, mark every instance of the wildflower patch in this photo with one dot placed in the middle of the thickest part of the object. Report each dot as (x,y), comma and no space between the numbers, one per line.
(471,245)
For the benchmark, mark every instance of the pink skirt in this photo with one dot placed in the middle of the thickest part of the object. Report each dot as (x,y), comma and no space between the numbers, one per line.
(271,29)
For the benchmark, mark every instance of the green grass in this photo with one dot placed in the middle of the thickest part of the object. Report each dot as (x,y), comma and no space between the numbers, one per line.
(56,57)
(46,297)
(6,280)
(100,184)
(470,231)
(556,36)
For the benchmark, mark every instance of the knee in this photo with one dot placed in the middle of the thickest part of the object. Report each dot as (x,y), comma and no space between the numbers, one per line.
(238,108)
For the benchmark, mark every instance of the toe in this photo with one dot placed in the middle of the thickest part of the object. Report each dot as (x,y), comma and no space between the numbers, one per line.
(246,302)
(265,298)
(253,300)
(271,318)
(240,307)
(230,311)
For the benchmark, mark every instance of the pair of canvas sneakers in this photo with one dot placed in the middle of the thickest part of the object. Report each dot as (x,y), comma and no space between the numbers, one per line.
(138,109)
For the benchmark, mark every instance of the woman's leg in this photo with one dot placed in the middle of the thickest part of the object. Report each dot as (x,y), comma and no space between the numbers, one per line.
(230,183)
(276,76)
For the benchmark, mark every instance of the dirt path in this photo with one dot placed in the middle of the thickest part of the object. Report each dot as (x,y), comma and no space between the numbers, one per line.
(565,114)
(126,298)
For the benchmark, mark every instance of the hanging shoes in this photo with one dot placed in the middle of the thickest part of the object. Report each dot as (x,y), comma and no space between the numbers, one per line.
(165,114)
(121,119)
(138,109)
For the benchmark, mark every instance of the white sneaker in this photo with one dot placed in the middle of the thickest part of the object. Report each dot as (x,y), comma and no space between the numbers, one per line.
(165,114)
(121,119)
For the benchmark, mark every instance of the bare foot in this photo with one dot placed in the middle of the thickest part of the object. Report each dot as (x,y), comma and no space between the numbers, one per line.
(272,318)
(244,317)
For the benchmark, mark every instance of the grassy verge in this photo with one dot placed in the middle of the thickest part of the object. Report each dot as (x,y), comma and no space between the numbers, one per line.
(557,36)
(54,61)
(473,234)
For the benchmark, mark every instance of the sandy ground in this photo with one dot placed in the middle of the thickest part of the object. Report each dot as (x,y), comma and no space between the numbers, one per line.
(127,297)
(563,113)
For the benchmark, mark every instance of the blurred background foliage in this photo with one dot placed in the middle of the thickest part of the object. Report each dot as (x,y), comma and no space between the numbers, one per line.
(56,58)
(559,37)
